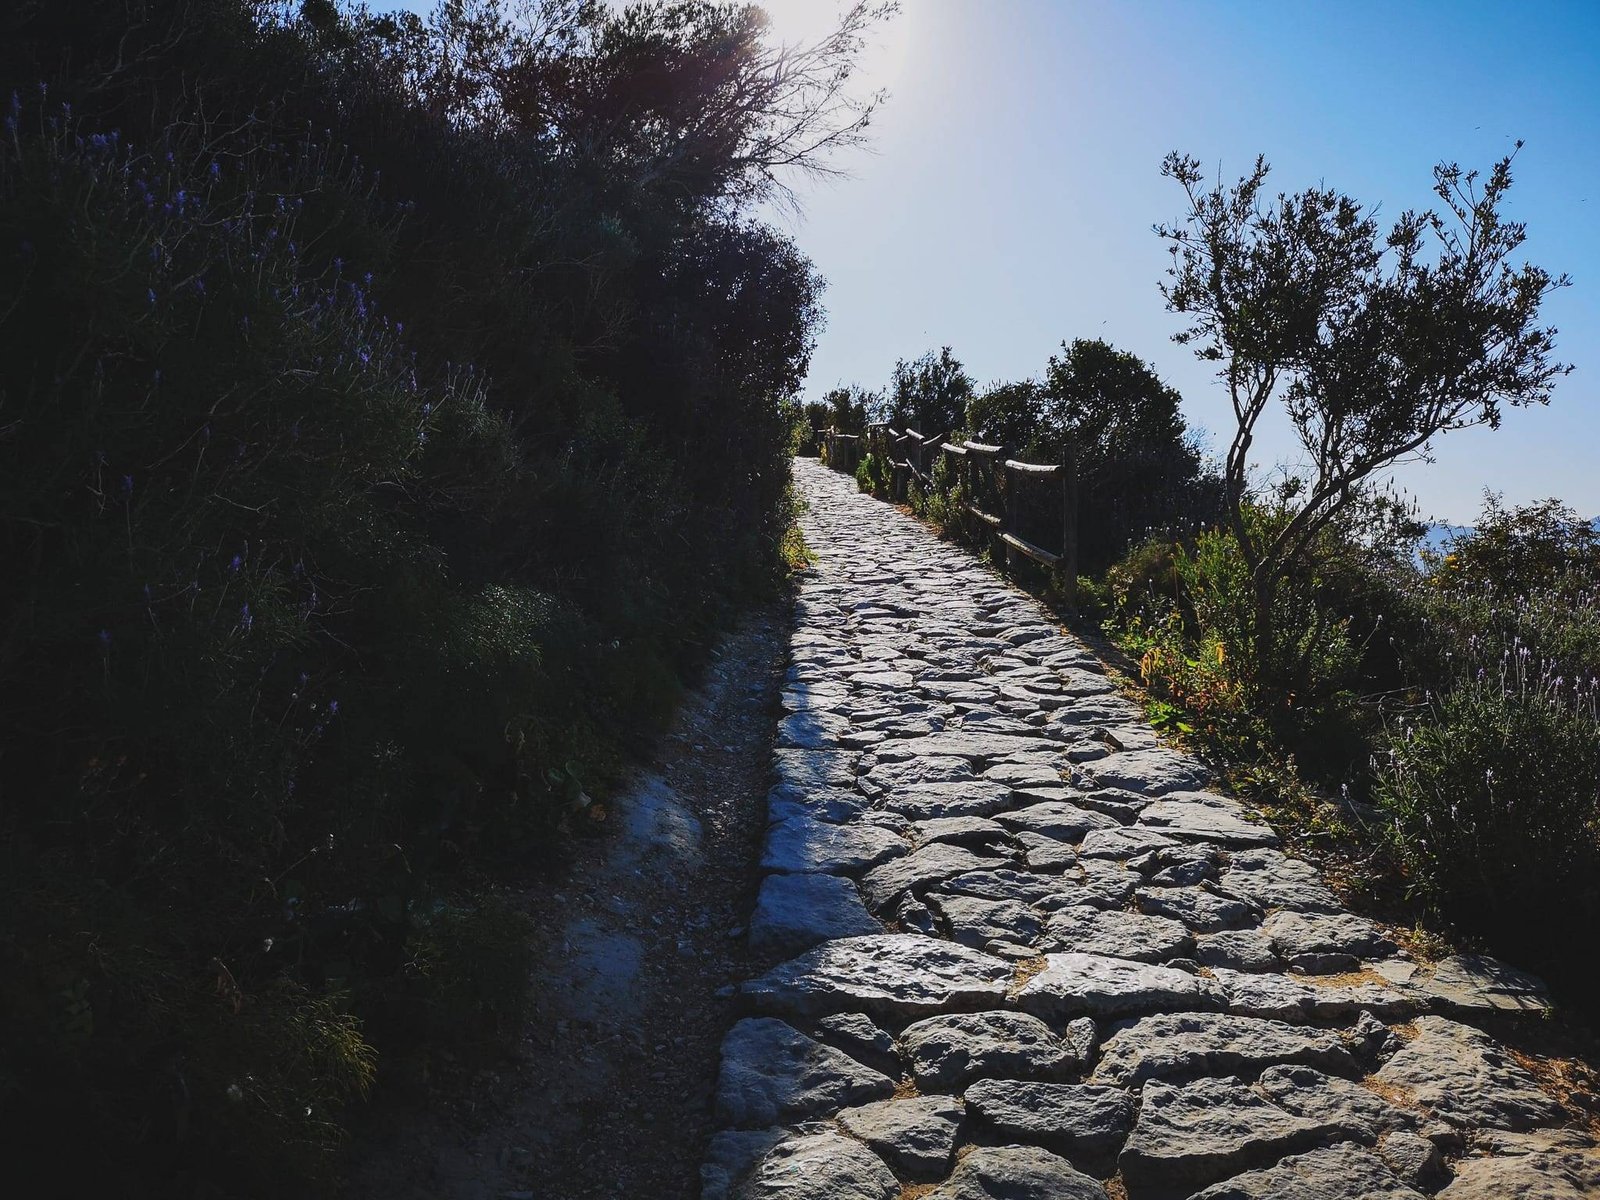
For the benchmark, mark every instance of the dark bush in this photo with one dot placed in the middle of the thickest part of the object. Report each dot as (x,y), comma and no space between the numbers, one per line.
(378,447)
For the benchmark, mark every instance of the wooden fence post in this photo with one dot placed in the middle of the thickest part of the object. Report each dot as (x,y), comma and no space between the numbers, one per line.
(1069,522)
(1005,479)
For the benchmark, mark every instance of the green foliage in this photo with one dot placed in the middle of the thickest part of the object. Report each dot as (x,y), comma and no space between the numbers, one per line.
(874,475)
(929,395)
(1507,549)
(1013,415)
(1138,471)
(1372,349)
(1489,777)
(473,962)
(1492,800)
(369,413)
(945,504)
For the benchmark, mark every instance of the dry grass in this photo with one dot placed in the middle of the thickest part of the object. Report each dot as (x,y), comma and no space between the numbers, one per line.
(1398,1096)
(906,1089)
(1571,1081)
(1345,979)
(1026,969)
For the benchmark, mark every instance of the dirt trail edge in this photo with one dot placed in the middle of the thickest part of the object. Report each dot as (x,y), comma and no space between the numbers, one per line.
(609,1093)
(1032,955)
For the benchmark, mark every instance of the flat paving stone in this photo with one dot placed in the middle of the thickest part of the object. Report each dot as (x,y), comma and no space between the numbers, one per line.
(772,1073)
(1123,842)
(977,922)
(821,1166)
(1358,1112)
(945,1053)
(1203,820)
(1184,1045)
(731,1155)
(815,768)
(1342,1172)
(1239,949)
(1321,942)
(1016,1173)
(1058,819)
(1097,985)
(883,975)
(1271,879)
(1152,772)
(1464,1076)
(1287,998)
(916,1136)
(1473,983)
(1087,930)
(1544,1175)
(1193,1135)
(920,870)
(795,912)
(802,844)
(1198,910)
(861,1038)
(1078,1120)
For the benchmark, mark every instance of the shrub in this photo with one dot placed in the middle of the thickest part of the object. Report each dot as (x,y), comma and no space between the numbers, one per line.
(1492,797)
(369,487)
(874,475)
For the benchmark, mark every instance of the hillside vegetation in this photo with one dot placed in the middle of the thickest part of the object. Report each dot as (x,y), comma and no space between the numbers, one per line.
(388,411)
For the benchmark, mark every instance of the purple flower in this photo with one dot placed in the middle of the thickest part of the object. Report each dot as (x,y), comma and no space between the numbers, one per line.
(233,567)
(105,639)
(152,295)
(246,620)
(333,708)
(127,485)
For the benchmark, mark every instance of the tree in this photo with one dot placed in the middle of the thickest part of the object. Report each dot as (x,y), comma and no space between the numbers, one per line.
(689,99)
(1137,465)
(1373,345)
(1010,414)
(930,394)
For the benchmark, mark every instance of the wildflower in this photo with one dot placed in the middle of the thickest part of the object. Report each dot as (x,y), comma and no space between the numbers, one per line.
(105,639)
(333,708)
(127,485)
(246,618)
(152,297)
(233,567)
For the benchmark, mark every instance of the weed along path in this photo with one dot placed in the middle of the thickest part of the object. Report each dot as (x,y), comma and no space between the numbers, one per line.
(1019,951)
(609,1091)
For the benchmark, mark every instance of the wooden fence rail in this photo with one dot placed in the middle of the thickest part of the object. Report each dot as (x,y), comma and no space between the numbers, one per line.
(988,475)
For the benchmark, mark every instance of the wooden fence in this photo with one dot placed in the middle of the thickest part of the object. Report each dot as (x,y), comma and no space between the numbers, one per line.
(991,479)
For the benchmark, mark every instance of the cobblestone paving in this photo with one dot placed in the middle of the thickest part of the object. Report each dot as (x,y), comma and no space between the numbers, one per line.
(1024,953)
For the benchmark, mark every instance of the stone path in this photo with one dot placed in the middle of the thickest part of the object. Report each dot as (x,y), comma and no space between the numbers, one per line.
(1023,953)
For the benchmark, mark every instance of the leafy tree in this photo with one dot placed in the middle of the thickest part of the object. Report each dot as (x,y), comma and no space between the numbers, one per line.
(1373,345)
(843,408)
(1009,414)
(930,394)
(1138,468)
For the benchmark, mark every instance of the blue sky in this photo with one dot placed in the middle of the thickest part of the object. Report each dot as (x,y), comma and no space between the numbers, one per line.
(1008,200)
